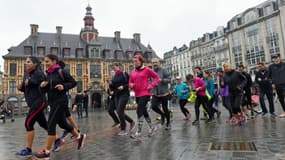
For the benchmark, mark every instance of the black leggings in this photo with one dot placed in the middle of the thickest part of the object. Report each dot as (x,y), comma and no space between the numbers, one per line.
(204,101)
(121,102)
(58,116)
(235,102)
(155,101)
(226,104)
(36,114)
(142,110)
(281,95)
(111,110)
(182,103)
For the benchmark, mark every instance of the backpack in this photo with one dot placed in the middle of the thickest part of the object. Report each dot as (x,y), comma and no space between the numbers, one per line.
(60,74)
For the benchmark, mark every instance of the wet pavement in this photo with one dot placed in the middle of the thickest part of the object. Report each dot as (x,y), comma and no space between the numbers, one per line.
(183,142)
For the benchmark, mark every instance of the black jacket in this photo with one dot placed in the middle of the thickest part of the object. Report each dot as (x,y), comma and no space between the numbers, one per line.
(236,82)
(277,74)
(54,79)
(248,80)
(79,98)
(118,80)
(32,91)
(262,79)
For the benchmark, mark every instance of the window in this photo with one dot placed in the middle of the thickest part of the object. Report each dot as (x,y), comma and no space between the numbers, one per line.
(108,54)
(66,52)
(119,55)
(94,52)
(41,51)
(13,69)
(95,71)
(79,52)
(129,55)
(12,87)
(79,69)
(54,50)
(28,50)
(268,10)
(79,85)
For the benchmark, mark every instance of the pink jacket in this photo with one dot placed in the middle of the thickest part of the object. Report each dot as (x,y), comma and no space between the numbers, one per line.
(198,82)
(141,80)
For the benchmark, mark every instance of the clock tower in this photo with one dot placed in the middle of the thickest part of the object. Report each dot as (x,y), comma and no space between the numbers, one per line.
(89,33)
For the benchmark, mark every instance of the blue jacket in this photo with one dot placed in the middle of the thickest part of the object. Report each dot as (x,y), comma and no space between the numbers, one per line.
(210,85)
(182,90)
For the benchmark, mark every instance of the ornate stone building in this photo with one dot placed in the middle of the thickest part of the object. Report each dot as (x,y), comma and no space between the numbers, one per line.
(88,57)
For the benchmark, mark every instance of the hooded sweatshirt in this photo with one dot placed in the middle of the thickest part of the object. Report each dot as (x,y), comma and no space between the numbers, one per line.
(141,80)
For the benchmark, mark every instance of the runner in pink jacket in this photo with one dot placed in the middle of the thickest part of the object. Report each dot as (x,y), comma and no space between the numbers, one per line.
(142,81)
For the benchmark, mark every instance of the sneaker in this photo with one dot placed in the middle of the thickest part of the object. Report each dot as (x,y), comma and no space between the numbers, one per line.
(122,133)
(229,120)
(132,126)
(137,135)
(42,154)
(273,115)
(168,127)
(25,152)
(57,143)
(196,122)
(81,141)
(282,115)
(151,131)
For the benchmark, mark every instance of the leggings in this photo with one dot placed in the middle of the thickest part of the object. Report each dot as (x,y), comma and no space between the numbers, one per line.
(121,102)
(235,102)
(58,116)
(142,111)
(36,114)
(182,103)
(204,101)
(155,101)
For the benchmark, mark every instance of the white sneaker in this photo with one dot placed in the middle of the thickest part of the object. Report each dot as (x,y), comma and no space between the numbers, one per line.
(152,131)
(282,115)
(122,133)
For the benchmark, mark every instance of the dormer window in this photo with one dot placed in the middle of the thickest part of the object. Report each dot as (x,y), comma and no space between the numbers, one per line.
(66,52)
(79,52)
(54,50)
(28,50)
(41,51)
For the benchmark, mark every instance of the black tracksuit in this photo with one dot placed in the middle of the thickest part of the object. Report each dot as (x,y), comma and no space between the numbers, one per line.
(265,88)
(121,96)
(35,99)
(276,74)
(236,82)
(58,100)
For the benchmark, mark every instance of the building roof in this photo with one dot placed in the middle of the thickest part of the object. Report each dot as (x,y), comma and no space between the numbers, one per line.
(74,41)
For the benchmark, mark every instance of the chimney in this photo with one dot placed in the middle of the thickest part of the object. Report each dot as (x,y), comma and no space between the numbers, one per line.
(58,30)
(137,37)
(117,36)
(34,29)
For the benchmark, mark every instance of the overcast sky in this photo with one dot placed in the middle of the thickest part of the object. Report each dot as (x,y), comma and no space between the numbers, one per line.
(162,23)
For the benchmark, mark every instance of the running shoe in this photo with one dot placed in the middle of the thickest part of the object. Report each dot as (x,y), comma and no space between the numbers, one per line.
(25,152)
(57,144)
(42,154)
(81,141)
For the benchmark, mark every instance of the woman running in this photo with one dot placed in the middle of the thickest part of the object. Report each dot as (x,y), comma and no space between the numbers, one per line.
(56,88)
(120,87)
(35,99)
(140,83)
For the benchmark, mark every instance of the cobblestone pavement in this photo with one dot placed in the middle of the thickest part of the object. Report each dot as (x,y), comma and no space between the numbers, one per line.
(183,142)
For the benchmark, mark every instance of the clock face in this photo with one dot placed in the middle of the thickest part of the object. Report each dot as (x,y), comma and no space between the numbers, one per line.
(88,36)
